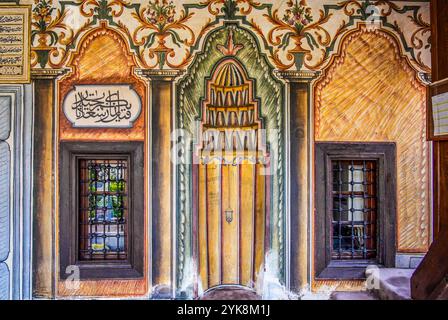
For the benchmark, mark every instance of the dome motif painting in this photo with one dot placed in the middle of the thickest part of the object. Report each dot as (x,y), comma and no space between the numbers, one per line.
(230,99)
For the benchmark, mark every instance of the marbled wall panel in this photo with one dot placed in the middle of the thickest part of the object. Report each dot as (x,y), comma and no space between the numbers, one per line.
(5,117)
(5,182)
(5,224)
(4,282)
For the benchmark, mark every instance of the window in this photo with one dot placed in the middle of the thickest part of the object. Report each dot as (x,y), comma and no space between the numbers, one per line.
(102,211)
(355,208)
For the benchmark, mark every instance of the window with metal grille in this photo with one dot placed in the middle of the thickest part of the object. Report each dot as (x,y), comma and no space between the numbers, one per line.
(354,198)
(355,208)
(103,209)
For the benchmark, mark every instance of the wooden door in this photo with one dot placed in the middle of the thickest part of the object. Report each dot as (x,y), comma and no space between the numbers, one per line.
(231,223)
(230,182)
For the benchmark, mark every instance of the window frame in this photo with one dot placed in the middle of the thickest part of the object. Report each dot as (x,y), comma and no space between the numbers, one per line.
(385,156)
(348,195)
(70,154)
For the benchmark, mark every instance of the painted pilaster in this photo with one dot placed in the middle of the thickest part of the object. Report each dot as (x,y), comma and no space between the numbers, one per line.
(5,202)
(300,138)
(15,190)
(162,214)
(44,237)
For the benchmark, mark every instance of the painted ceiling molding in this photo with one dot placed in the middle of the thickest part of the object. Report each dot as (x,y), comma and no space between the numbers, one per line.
(298,34)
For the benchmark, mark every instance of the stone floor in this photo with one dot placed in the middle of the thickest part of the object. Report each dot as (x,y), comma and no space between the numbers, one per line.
(388,284)
(356,295)
(394,284)
(230,293)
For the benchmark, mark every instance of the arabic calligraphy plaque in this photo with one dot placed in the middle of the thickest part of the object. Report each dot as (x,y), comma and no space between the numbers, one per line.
(15,44)
(102,106)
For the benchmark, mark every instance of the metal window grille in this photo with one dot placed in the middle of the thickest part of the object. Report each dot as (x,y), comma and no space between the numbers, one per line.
(103,209)
(354,200)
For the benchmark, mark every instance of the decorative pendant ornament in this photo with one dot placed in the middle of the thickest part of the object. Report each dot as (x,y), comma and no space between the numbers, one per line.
(229,215)
(229,211)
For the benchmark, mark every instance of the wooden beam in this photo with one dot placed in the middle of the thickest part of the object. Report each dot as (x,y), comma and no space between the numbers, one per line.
(441,291)
(432,272)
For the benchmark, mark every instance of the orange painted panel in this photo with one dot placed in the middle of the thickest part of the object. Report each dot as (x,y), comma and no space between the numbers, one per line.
(371,94)
(103,58)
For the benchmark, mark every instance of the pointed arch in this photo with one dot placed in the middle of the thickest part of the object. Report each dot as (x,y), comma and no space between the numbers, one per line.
(357,99)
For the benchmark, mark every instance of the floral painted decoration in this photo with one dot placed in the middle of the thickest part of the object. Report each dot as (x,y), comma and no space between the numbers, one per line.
(161,13)
(43,29)
(160,17)
(42,13)
(298,14)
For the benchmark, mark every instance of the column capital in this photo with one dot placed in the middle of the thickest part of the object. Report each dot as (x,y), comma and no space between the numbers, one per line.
(160,74)
(298,75)
(47,73)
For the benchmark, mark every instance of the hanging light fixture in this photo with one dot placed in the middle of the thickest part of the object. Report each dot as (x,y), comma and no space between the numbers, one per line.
(229,211)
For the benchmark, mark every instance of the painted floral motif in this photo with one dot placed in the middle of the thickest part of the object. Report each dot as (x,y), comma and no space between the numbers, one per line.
(161,31)
(230,8)
(45,29)
(161,12)
(298,15)
(160,17)
(217,7)
(297,24)
(42,13)
(42,19)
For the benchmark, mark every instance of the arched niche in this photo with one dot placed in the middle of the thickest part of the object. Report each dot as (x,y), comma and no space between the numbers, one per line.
(370,93)
(103,57)
(190,119)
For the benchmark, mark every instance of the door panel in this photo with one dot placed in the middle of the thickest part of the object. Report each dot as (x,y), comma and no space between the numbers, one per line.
(260,219)
(230,234)
(202,224)
(231,223)
(247,174)
(212,248)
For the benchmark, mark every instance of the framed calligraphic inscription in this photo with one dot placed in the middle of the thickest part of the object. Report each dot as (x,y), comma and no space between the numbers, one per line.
(102,106)
(15,30)
(438,110)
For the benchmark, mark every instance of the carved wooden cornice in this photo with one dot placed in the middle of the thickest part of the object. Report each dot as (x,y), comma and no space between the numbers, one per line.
(297,76)
(47,74)
(159,74)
